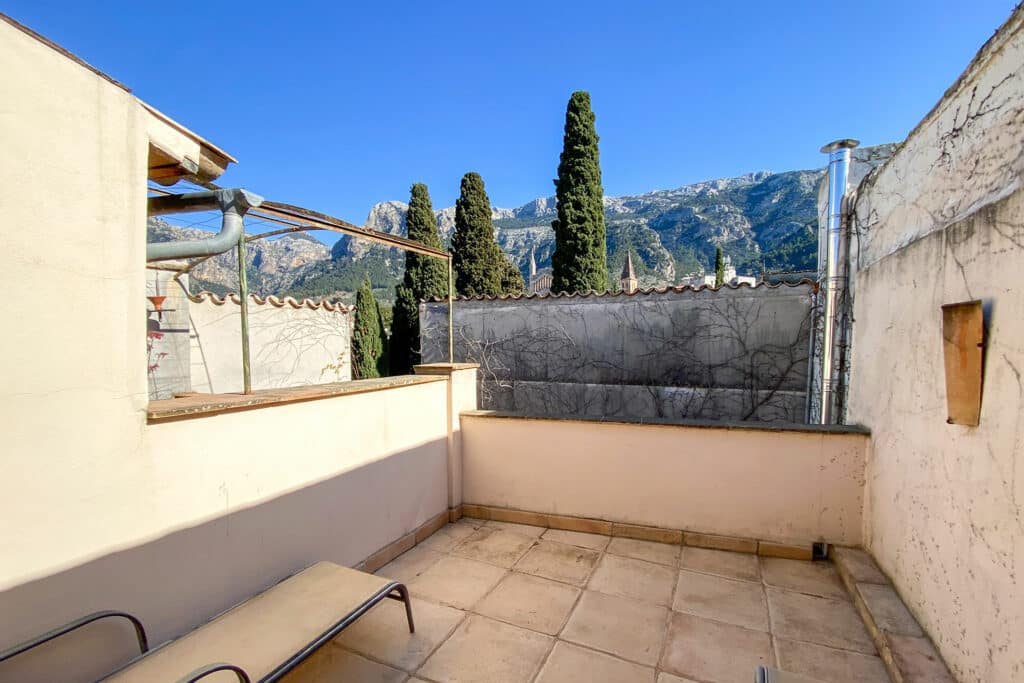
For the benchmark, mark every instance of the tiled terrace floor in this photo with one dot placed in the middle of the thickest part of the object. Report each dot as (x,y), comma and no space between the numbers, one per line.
(497,603)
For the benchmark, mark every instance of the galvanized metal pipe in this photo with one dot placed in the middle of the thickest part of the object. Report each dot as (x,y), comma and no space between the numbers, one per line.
(833,283)
(451,313)
(243,293)
(232,203)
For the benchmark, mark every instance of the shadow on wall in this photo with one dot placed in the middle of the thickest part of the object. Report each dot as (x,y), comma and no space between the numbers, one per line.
(180,580)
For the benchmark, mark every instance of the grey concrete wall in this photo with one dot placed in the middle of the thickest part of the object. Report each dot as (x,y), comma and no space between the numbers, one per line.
(735,353)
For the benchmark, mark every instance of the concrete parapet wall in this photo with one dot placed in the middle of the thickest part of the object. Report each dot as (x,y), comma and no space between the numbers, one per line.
(734,353)
(779,485)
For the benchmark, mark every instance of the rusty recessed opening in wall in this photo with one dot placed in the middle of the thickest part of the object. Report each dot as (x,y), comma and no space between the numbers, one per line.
(963,347)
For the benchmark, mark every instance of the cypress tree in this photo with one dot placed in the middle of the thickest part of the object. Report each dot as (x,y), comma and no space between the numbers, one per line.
(475,254)
(719,267)
(580,259)
(512,279)
(383,360)
(425,278)
(367,346)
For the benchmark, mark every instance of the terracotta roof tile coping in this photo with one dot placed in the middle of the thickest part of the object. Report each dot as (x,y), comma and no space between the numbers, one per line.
(680,422)
(277,302)
(610,294)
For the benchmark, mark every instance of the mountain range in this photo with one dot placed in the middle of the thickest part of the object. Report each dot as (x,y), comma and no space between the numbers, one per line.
(762,220)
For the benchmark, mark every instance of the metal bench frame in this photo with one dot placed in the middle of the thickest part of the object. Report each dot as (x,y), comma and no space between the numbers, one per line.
(393,590)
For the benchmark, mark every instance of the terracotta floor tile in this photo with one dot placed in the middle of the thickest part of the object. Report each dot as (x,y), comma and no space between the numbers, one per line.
(574,664)
(580,538)
(333,663)
(715,597)
(530,602)
(721,562)
(711,651)
(456,581)
(383,633)
(888,610)
(669,678)
(917,659)
(486,651)
(494,546)
(524,529)
(634,579)
(659,553)
(834,623)
(813,578)
(559,561)
(626,628)
(829,664)
(860,564)
(410,564)
(448,536)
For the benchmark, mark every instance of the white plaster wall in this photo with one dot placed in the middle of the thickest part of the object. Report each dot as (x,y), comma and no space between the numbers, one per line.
(289,346)
(964,154)
(754,483)
(174,522)
(212,510)
(944,508)
(72,235)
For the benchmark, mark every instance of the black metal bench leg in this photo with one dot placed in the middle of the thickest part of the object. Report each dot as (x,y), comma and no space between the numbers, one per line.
(404,593)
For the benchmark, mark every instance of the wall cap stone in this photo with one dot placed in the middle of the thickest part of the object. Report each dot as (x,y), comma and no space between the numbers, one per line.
(679,422)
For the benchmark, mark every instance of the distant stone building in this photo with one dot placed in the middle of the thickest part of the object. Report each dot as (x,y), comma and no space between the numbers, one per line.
(540,281)
(627,281)
(730,277)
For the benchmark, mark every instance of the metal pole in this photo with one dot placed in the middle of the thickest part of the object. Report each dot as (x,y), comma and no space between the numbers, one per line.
(834,282)
(451,313)
(243,293)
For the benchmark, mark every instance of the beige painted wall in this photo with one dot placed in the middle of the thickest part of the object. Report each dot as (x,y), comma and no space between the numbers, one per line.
(176,521)
(462,397)
(289,346)
(209,511)
(944,223)
(755,483)
(72,245)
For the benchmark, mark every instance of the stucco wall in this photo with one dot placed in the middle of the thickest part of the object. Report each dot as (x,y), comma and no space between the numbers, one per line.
(291,343)
(205,512)
(177,521)
(738,353)
(943,222)
(74,390)
(755,483)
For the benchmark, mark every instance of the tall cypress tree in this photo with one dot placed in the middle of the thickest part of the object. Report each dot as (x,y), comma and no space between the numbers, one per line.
(425,278)
(480,265)
(580,259)
(719,267)
(367,345)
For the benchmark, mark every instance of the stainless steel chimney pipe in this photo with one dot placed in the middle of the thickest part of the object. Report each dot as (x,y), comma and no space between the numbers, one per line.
(834,282)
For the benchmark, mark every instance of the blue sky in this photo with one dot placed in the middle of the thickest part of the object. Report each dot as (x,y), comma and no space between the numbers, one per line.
(338,105)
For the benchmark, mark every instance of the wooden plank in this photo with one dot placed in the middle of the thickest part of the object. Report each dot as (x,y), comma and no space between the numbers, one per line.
(963,339)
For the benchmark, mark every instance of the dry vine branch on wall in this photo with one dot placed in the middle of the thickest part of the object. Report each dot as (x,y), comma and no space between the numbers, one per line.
(719,357)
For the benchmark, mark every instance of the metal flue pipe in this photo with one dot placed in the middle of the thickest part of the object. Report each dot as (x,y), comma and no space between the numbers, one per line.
(834,281)
(233,204)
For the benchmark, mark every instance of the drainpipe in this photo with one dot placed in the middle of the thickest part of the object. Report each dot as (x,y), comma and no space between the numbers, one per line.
(233,204)
(834,280)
